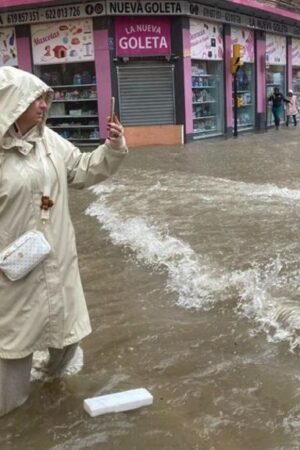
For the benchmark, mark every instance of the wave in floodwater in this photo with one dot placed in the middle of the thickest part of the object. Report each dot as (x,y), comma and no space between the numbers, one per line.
(188,274)
(265,293)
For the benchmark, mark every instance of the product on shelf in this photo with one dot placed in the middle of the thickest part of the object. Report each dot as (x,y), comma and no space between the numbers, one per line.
(74,110)
(207,94)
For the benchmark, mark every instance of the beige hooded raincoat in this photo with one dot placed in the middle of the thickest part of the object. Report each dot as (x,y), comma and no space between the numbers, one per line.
(46,308)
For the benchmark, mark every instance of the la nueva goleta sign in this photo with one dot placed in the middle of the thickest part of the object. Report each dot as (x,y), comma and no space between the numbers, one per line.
(153,8)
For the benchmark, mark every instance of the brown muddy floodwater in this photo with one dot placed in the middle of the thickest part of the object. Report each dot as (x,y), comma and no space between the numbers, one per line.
(190,263)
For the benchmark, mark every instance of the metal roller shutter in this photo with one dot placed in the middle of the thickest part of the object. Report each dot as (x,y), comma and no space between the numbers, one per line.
(146,93)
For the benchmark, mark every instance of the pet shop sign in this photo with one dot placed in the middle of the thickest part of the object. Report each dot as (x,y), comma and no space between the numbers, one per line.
(8,48)
(69,41)
(206,40)
(143,36)
(296,53)
(275,49)
(244,37)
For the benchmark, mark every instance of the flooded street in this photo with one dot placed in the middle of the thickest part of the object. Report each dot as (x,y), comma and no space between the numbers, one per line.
(190,260)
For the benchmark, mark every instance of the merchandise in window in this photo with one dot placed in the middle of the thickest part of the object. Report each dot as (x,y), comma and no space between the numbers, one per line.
(208,94)
(74,110)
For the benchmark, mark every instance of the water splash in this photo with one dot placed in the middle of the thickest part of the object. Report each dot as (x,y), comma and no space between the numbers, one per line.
(264,293)
(261,300)
(39,363)
(188,273)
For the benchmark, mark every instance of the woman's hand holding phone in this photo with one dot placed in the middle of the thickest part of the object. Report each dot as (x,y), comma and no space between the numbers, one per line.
(114,127)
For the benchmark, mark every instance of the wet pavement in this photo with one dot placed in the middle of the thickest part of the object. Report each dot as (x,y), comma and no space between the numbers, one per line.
(190,263)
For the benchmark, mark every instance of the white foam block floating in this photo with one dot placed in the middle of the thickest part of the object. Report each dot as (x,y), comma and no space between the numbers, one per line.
(120,401)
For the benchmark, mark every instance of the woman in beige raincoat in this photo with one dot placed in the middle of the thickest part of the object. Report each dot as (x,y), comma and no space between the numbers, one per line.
(46,309)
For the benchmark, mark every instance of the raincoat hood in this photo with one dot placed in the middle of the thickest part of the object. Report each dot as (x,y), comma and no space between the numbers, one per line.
(18,89)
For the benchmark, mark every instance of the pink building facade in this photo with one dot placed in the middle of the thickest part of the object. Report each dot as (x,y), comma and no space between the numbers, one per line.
(167,64)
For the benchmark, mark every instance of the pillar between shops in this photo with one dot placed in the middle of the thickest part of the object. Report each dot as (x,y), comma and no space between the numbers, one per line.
(261,100)
(289,78)
(228,81)
(24,48)
(187,76)
(103,75)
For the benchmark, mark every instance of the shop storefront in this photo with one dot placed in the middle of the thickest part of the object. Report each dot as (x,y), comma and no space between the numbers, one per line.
(145,75)
(245,79)
(8,47)
(167,64)
(276,58)
(207,55)
(63,57)
(296,69)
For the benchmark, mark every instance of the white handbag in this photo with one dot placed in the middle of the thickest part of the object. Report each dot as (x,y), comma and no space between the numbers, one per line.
(24,254)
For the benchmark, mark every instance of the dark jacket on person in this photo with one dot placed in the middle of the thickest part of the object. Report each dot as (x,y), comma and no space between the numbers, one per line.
(277,99)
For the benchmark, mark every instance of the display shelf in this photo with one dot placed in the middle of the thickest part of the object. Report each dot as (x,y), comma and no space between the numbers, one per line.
(204,75)
(83,139)
(73,100)
(74,107)
(208,130)
(204,117)
(245,106)
(69,116)
(204,87)
(69,86)
(207,95)
(73,126)
(200,130)
(245,125)
(203,103)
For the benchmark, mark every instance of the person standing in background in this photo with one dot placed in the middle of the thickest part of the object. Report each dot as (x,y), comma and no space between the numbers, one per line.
(291,108)
(277,99)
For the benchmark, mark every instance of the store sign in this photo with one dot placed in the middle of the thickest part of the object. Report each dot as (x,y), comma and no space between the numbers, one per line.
(8,47)
(296,52)
(275,50)
(143,7)
(53,13)
(206,40)
(234,18)
(143,36)
(244,37)
(93,9)
(69,41)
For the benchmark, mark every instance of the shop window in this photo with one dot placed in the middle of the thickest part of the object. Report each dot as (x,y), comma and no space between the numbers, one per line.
(207,98)
(74,111)
(246,97)
(296,84)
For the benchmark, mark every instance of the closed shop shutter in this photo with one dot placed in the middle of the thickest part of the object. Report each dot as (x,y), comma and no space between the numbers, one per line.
(146,93)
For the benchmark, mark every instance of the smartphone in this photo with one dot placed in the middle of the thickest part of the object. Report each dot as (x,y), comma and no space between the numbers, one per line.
(112,109)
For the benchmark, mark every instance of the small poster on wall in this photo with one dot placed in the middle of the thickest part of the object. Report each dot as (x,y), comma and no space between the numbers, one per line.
(8,47)
(206,40)
(62,42)
(296,52)
(275,49)
(244,37)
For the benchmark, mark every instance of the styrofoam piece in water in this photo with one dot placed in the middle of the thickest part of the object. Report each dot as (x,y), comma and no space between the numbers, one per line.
(120,401)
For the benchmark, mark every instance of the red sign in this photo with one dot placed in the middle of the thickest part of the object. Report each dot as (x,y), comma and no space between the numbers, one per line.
(143,36)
